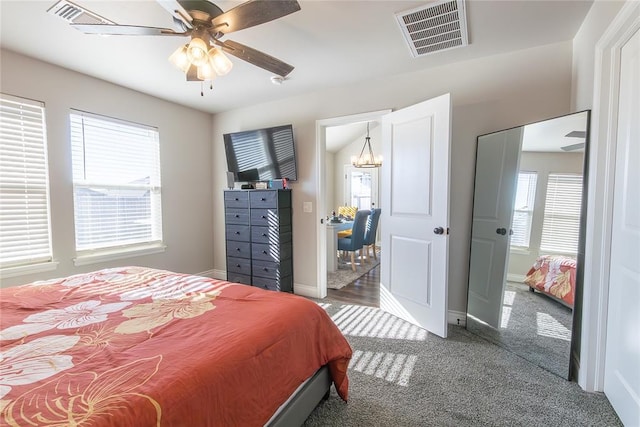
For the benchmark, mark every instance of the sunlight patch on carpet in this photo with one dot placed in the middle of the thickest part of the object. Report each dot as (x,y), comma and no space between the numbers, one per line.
(360,321)
(394,368)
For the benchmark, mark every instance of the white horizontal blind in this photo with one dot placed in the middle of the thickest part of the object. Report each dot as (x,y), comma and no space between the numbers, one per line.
(25,226)
(561,225)
(116,182)
(523,209)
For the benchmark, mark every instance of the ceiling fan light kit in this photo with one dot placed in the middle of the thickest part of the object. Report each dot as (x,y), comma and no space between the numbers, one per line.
(203,58)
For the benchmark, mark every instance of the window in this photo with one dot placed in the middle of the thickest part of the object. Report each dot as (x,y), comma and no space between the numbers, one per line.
(116,183)
(523,208)
(25,225)
(561,225)
(361,187)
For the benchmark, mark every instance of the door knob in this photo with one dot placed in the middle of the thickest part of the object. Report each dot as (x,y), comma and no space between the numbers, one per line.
(438,230)
(502,231)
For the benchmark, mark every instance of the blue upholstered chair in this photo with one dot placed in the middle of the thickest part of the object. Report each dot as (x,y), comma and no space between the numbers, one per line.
(354,242)
(370,232)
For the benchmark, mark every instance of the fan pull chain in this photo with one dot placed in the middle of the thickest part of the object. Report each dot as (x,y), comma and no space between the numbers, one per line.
(201,88)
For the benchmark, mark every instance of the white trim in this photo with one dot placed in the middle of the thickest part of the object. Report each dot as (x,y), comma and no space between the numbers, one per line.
(214,274)
(28,269)
(458,318)
(111,255)
(321,195)
(518,278)
(600,196)
(308,291)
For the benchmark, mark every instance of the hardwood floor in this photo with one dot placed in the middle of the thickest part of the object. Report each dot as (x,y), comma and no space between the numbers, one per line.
(365,290)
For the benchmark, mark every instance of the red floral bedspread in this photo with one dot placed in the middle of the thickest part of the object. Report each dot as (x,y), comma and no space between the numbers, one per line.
(554,275)
(141,347)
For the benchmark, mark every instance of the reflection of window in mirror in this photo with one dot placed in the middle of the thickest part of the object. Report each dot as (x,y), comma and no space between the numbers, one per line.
(561,224)
(523,209)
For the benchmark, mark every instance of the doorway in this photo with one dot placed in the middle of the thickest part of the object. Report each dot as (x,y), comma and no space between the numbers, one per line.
(341,184)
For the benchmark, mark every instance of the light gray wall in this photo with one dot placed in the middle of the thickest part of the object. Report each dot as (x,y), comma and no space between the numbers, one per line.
(543,164)
(185,155)
(595,23)
(488,94)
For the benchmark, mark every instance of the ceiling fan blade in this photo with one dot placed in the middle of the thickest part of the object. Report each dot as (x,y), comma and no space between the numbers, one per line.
(251,13)
(255,57)
(126,30)
(177,11)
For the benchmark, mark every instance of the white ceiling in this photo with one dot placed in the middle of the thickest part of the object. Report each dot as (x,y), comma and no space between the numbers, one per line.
(330,43)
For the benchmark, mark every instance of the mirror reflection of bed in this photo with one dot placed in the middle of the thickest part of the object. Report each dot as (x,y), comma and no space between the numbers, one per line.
(524,274)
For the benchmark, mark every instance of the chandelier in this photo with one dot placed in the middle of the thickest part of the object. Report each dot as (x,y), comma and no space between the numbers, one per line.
(366,159)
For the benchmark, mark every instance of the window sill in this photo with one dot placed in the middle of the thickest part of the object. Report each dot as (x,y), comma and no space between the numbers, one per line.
(27,269)
(114,254)
(519,250)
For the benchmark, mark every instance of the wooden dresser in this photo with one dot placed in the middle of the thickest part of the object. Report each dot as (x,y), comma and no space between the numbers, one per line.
(259,238)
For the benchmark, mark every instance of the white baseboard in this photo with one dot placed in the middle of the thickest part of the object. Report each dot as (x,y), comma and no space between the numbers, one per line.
(519,278)
(458,318)
(214,274)
(305,290)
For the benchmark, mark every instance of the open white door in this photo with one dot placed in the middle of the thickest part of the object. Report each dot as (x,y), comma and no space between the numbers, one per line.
(622,376)
(495,189)
(415,213)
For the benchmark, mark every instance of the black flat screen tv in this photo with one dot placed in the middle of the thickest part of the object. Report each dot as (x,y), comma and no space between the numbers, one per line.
(261,154)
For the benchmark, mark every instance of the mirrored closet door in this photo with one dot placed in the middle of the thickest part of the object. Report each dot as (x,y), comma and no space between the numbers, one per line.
(526,241)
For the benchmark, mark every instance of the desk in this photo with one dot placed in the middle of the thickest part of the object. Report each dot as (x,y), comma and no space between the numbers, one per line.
(332,242)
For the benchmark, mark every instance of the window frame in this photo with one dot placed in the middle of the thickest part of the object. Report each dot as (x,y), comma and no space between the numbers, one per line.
(572,220)
(25,132)
(529,212)
(101,251)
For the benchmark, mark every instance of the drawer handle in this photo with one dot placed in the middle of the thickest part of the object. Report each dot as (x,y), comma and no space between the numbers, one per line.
(238,265)
(264,234)
(237,232)
(263,199)
(238,249)
(265,269)
(264,252)
(237,216)
(237,199)
(264,217)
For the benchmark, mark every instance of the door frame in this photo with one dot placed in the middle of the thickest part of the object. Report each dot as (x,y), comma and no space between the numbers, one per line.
(601,167)
(321,190)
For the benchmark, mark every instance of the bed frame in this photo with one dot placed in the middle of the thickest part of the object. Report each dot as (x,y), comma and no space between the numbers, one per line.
(300,406)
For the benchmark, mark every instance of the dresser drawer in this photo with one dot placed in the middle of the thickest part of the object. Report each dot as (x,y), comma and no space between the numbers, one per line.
(265,217)
(263,199)
(270,269)
(238,278)
(236,216)
(238,266)
(236,199)
(265,235)
(270,252)
(239,233)
(238,249)
(284,284)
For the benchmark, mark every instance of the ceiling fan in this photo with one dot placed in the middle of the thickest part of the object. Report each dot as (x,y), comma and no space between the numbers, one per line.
(205,23)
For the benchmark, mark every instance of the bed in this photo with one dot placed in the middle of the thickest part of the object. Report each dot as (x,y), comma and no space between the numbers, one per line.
(555,276)
(135,346)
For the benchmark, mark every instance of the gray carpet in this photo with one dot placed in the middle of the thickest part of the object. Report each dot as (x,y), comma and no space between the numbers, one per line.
(345,275)
(534,327)
(402,376)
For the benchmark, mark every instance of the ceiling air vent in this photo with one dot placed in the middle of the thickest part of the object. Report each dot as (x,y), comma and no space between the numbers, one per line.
(75,14)
(434,27)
